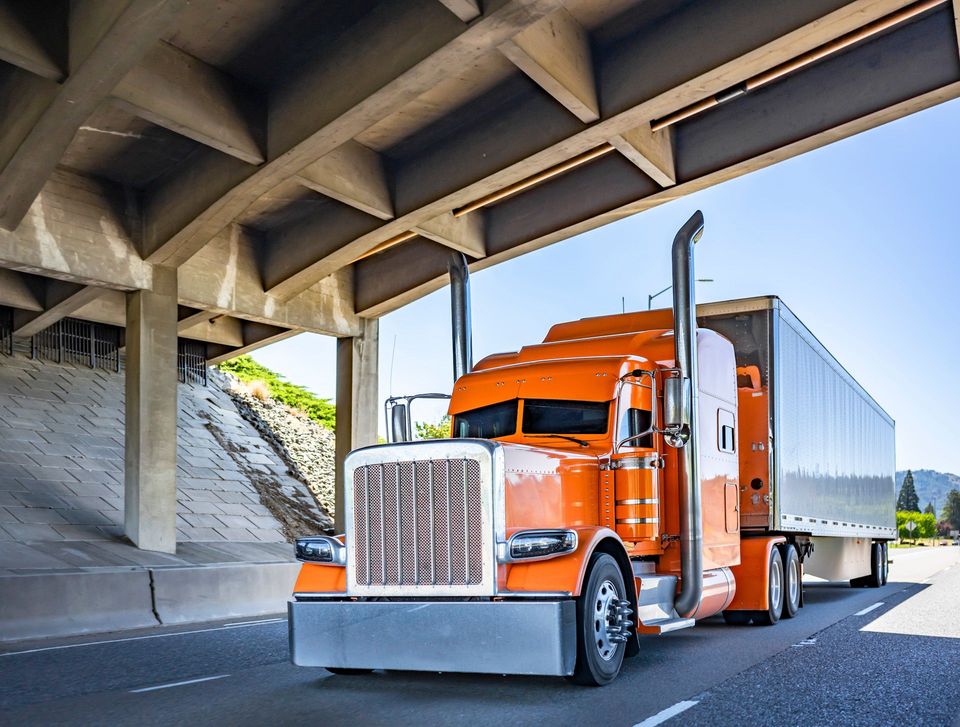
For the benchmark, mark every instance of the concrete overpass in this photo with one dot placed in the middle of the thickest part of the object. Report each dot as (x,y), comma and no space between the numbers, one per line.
(237,172)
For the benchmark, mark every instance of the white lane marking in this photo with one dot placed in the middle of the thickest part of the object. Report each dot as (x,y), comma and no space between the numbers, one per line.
(667,713)
(134,638)
(253,623)
(868,609)
(807,642)
(178,684)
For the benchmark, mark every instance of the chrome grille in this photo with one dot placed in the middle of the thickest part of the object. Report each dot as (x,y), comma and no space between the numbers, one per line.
(418,523)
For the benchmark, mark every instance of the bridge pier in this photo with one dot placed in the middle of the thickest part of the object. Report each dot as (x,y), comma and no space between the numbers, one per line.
(357,373)
(150,480)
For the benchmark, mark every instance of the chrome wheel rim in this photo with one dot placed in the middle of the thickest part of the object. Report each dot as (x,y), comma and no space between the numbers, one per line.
(776,588)
(607,620)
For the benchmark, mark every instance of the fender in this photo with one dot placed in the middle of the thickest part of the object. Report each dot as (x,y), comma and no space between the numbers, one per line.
(567,573)
(752,575)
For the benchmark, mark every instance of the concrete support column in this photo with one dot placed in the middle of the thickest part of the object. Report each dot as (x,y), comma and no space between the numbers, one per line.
(150,482)
(357,405)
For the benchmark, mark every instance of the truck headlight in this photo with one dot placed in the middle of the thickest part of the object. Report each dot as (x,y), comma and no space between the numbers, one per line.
(541,544)
(321,549)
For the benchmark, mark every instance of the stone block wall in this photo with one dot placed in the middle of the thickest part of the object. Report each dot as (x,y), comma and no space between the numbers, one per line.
(62,461)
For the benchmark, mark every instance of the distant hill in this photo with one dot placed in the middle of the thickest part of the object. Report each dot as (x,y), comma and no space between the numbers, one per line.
(932,486)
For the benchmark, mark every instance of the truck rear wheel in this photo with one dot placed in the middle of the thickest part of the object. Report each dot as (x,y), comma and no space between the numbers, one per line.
(792,579)
(878,569)
(775,591)
(603,623)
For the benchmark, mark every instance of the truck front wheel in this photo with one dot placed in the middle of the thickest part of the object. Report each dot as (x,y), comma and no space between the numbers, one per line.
(603,623)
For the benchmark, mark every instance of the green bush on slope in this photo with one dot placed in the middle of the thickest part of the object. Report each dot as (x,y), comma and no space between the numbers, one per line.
(293,395)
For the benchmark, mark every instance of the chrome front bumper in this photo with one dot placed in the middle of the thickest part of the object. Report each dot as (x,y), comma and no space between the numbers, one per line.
(489,637)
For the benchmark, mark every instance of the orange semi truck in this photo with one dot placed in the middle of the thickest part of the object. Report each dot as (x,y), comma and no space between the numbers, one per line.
(628,476)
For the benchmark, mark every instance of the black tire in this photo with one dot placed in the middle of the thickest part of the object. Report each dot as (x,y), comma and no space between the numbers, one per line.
(886,564)
(737,618)
(598,661)
(775,591)
(875,579)
(879,568)
(347,672)
(792,580)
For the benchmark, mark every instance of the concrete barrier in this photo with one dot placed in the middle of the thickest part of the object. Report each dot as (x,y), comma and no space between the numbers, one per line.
(207,593)
(66,604)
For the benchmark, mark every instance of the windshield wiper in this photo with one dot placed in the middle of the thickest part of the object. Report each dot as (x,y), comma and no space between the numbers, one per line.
(581,442)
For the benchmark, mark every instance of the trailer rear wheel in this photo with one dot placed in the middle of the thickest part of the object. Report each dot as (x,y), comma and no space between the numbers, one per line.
(877,566)
(878,569)
(885,561)
(603,623)
(775,591)
(793,580)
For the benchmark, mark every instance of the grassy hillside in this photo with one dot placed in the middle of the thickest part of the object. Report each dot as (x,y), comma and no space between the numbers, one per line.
(932,486)
(293,395)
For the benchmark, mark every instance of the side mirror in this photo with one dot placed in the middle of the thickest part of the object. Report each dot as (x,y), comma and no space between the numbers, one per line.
(399,429)
(676,402)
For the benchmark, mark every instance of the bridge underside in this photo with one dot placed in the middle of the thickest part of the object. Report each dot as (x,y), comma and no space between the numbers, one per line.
(232,173)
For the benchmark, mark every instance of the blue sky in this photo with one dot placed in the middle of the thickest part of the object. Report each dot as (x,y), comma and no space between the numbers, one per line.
(859,238)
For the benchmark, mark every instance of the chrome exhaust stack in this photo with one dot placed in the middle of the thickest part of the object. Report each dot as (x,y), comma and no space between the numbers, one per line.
(685,344)
(460,314)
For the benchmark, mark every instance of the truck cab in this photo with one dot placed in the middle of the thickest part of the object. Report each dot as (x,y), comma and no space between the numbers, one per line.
(590,493)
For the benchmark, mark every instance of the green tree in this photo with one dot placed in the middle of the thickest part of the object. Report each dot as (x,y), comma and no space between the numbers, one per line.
(951,510)
(908,500)
(903,517)
(929,509)
(440,430)
(927,525)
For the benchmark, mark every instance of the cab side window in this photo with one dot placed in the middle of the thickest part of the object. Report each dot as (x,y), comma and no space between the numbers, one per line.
(633,422)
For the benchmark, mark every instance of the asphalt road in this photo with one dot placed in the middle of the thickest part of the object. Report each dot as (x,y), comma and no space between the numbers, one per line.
(899,663)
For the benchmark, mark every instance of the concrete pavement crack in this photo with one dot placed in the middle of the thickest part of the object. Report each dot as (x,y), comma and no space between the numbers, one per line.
(153,597)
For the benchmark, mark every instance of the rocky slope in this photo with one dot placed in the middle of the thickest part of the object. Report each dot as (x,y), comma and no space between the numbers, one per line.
(305,446)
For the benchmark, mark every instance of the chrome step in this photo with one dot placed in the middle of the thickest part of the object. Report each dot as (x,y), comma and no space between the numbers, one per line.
(655,598)
(665,625)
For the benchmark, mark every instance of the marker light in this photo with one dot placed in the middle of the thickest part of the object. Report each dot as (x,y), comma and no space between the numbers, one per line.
(321,549)
(539,544)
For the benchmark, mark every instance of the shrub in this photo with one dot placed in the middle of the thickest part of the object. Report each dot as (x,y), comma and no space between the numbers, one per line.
(293,395)
(257,389)
(440,430)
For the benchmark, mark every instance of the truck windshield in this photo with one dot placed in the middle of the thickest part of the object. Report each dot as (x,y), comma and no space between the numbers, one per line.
(488,422)
(547,416)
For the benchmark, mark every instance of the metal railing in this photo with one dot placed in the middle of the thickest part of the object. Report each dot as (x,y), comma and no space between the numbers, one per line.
(6,331)
(70,340)
(191,362)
